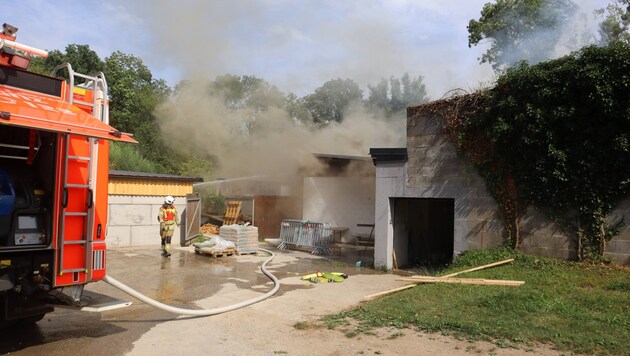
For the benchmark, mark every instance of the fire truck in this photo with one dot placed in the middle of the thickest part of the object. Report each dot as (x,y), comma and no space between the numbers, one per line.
(54,153)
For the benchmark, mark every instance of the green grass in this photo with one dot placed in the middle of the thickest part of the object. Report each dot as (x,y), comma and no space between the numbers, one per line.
(575,307)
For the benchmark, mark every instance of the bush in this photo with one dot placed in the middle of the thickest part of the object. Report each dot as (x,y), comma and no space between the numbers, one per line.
(125,157)
(213,204)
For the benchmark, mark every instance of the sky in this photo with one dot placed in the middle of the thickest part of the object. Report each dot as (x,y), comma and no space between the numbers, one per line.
(295,45)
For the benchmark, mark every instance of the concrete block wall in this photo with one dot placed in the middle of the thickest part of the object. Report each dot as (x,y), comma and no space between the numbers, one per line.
(132,220)
(434,170)
(619,247)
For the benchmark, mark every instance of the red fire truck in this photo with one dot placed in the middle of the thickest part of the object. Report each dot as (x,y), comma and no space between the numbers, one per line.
(54,140)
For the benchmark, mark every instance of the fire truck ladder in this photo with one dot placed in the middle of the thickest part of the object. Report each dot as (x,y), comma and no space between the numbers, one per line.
(98,87)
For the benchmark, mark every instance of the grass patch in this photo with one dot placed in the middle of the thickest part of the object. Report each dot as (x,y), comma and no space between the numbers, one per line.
(577,307)
(395,335)
(306,325)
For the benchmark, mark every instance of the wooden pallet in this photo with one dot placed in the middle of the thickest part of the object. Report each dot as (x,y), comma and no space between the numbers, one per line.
(233,212)
(215,254)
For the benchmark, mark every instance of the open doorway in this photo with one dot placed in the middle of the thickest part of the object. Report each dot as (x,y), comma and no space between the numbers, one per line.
(423,231)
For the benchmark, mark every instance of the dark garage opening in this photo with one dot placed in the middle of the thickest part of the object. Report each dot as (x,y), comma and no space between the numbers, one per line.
(423,231)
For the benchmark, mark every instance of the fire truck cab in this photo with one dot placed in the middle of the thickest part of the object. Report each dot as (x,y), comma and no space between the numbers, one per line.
(54,153)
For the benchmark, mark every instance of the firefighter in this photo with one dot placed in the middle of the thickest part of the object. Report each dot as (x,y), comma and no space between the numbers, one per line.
(168,218)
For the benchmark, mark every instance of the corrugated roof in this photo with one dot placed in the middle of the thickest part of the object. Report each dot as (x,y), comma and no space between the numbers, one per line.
(155,176)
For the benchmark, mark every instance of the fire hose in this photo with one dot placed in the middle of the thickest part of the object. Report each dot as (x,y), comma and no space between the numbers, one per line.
(201,312)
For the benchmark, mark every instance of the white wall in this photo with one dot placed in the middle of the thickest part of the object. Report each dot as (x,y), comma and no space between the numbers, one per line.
(340,201)
(390,182)
(132,220)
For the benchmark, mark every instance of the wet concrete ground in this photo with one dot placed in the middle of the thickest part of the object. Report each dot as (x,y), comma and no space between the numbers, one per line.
(180,281)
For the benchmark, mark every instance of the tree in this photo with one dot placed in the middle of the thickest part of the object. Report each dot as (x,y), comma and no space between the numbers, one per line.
(248,98)
(82,59)
(134,94)
(616,25)
(296,108)
(413,90)
(240,92)
(395,95)
(519,30)
(328,103)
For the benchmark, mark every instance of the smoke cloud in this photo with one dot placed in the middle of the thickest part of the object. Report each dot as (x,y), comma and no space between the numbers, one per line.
(197,122)
(297,46)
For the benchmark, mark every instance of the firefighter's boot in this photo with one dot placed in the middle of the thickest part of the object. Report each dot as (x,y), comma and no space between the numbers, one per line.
(163,246)
(167,249)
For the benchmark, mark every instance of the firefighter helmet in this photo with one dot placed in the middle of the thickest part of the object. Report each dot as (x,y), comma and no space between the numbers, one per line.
(169,200)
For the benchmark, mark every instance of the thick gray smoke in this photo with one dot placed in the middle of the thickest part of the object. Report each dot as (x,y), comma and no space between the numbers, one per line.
(576,27)
(298,46)
(196,122)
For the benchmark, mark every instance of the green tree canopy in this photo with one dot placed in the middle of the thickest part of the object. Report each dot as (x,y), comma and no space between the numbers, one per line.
(519,30)
(616,25)
(296,108)
(134,94)
(395,95)
(82,59)
(328,103)
(248,98)
(239,92)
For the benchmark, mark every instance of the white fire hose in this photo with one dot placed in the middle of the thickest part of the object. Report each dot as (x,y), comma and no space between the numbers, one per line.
(201,312)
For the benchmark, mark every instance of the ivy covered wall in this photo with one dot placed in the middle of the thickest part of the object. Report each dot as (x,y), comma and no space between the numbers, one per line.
(550,140)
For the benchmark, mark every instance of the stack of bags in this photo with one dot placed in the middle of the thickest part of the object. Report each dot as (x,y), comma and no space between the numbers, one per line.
(216,244)
(244,237)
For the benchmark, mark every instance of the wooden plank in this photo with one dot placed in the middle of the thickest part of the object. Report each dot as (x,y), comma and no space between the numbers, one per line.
(480,281)
(380,294)
(478,268)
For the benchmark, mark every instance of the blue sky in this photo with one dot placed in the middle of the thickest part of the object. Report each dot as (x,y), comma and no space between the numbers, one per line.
(295,45)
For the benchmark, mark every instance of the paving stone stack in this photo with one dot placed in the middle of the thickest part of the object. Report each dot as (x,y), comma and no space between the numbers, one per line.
(244,237)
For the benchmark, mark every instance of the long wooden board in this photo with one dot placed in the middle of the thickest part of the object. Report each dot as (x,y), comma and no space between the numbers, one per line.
(492,282)
(380,294)
(446,279)
(480,267)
